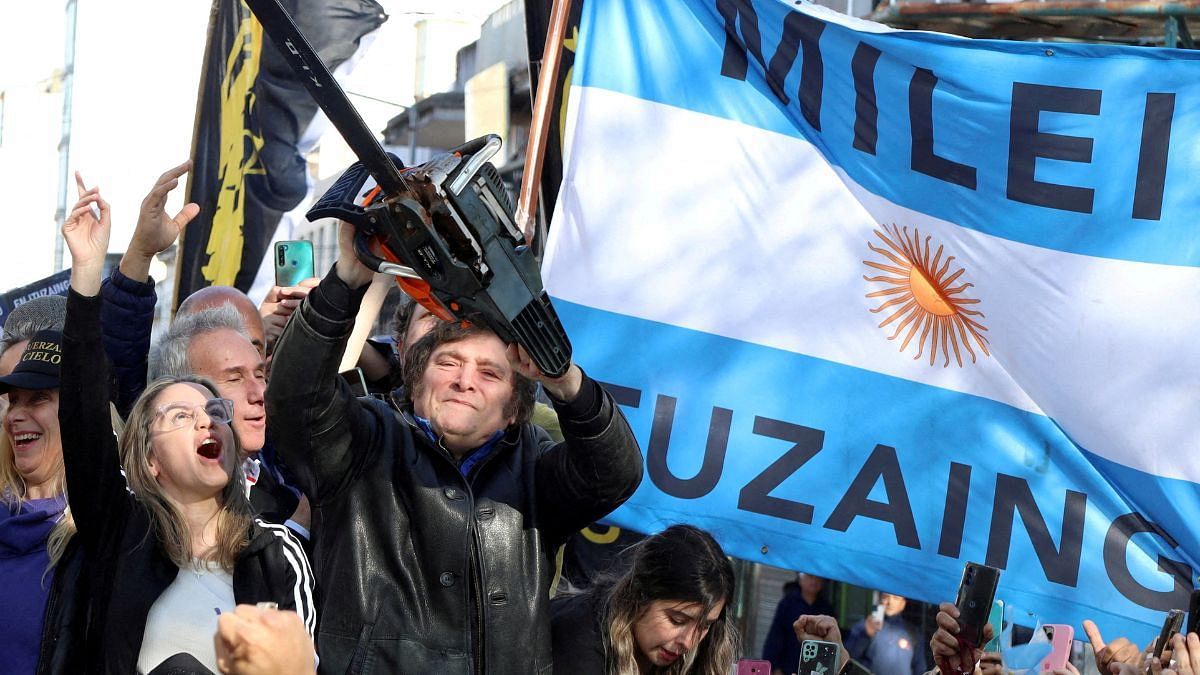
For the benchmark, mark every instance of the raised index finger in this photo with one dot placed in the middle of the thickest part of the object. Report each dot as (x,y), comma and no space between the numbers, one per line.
(175,172)
(1093,633)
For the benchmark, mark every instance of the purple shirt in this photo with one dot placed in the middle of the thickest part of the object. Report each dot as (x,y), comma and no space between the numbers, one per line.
(23,563)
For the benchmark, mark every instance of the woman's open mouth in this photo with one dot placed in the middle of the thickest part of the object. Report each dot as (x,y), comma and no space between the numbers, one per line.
(25,439)
(210,448)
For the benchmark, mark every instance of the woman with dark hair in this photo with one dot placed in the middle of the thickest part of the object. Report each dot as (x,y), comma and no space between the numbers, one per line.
(666,614)
(173,543)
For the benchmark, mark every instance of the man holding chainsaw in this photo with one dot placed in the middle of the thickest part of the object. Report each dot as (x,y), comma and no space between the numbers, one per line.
(436,526)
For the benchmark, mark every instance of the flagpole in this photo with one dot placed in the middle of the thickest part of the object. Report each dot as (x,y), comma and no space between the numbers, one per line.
(539,127)
(213,14)
(64,142)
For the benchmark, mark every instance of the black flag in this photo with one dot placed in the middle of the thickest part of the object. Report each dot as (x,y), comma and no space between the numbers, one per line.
(251,113)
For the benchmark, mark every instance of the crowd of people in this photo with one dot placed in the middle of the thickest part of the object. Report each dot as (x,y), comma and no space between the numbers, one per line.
(885,643)
(221,502)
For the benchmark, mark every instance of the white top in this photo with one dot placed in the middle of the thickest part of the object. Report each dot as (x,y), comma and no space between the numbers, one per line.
(184,617)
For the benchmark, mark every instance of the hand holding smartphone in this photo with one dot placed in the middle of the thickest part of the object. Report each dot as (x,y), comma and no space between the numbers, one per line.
(878,613)
(957,646)
(976,592)
(817,657)
(1060,636)
(1171,625)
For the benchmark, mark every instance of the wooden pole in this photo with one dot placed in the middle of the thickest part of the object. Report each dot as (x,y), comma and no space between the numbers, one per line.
(367,313)
(539,127)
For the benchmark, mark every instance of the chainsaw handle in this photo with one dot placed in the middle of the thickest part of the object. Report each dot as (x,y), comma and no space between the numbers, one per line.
(410,282)
(362,249)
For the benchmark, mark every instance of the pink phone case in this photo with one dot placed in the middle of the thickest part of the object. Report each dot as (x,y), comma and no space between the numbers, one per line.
(752,667)
(1060,646)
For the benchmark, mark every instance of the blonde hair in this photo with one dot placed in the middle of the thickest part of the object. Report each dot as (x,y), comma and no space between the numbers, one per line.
(172,530)
(685,564)
(44,313)
(12,494)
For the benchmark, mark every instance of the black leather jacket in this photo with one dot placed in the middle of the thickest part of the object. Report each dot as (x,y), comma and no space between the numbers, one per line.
(421,569)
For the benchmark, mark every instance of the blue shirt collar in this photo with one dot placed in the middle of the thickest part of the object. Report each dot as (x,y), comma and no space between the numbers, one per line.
(476,456)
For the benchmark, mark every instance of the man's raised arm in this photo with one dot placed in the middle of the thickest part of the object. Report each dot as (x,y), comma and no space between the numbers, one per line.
(318,421)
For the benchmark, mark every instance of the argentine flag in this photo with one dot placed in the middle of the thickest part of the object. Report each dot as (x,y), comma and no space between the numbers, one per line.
(878,302)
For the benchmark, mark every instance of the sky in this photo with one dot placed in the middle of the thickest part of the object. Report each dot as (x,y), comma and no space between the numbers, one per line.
(136,76)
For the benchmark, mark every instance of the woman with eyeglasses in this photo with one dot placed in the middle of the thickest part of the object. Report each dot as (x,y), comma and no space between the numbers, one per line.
(172,544)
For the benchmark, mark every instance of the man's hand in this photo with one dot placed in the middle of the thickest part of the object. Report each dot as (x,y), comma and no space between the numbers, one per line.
(86,235)
(349,269)
(1068,669)
(820,627)
(990,663)
(277,308)
(1185,651)
(952,655)
(1120,668)
(156,231)
(872,625)
(564,388)
(302,516)
(253,641)
(1120,650)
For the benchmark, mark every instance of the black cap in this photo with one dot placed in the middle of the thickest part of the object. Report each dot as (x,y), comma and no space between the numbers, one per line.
(40,363)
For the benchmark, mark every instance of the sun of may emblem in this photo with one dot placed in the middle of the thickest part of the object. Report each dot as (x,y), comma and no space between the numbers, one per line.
(920,295)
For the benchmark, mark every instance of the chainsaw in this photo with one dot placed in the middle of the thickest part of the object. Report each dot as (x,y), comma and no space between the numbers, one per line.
(445,229)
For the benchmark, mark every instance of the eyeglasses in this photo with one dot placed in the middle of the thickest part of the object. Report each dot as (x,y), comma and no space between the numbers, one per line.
(180,415)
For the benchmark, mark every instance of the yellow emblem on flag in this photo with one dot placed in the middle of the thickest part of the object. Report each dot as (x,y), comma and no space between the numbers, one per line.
(240,145)
(922,287)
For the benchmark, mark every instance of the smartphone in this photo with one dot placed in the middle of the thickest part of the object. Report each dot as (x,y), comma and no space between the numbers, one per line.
(358,383)
(878,613)
(293,262)
(818,657)
(976,593)
(752,667)
(996,621)
(1060,636)
(1193,622)
(1171,626)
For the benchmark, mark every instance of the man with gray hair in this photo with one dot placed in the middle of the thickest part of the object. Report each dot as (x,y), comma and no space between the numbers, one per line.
(213,335)
(215,344)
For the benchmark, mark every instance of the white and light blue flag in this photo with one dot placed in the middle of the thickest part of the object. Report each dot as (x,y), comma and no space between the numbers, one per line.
(882,302)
